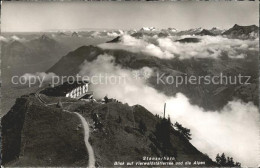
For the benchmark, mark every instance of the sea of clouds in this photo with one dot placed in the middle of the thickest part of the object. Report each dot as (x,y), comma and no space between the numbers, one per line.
(169,47)
(233,130)
(12,38)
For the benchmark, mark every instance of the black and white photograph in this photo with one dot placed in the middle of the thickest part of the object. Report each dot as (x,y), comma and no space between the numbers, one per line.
(130,84)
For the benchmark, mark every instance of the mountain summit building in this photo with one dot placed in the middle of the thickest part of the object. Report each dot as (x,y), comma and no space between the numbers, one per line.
(76,90)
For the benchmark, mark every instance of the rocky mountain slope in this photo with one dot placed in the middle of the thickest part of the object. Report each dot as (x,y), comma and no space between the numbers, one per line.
(243,32)
(38,135)
(205,32)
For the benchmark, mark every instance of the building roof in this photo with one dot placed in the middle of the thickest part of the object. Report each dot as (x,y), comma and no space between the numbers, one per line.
(62,90)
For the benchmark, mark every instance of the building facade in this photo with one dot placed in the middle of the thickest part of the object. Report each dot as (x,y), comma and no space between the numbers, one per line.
(78,91)
(75,90)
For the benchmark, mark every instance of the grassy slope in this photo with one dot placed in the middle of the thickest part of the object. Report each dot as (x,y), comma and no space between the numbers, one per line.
(47,136)
(122,141)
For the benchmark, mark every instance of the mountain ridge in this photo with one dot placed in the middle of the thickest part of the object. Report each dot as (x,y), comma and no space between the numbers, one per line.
(58,137)
(244,32)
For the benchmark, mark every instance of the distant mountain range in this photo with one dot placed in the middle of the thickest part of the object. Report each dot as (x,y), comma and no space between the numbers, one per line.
(148,29)
(241,32)
(237,31)
(31,55)
(216,31)
(205,32)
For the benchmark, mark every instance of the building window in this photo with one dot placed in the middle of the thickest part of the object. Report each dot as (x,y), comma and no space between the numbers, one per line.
(86,88)
(80,90)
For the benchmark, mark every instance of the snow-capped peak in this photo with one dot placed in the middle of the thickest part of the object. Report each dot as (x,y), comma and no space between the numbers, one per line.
(147,29)
(172,29)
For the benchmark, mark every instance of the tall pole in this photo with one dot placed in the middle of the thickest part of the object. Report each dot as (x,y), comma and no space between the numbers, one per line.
(164,110)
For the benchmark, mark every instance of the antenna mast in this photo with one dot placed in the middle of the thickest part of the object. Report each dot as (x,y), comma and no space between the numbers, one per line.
(164,110)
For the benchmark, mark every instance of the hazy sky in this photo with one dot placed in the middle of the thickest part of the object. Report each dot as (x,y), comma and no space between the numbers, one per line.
(42,16)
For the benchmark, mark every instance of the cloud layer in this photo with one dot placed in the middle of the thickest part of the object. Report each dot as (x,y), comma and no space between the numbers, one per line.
(167,48)
(233,130)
